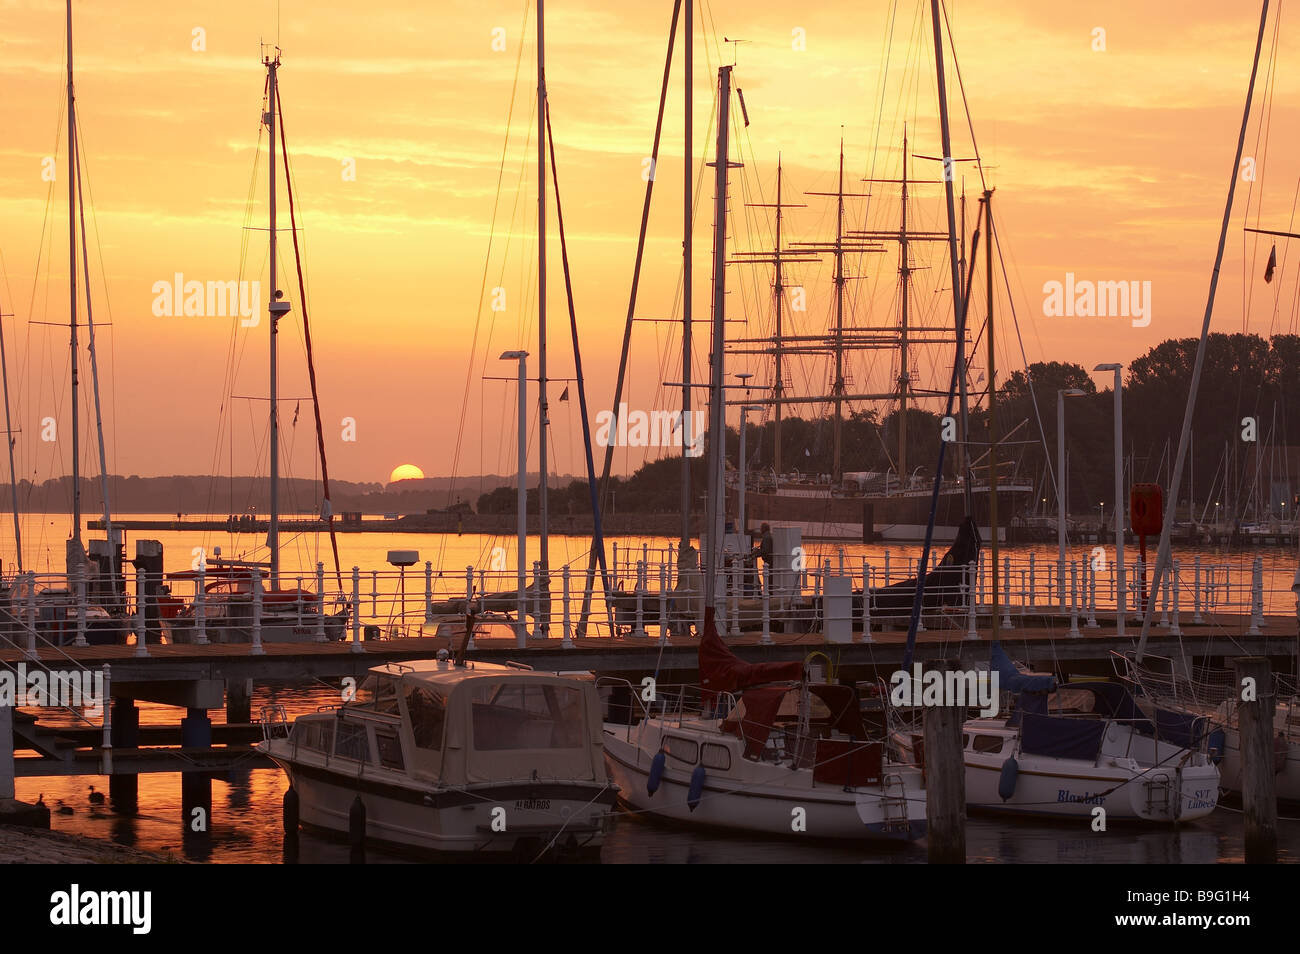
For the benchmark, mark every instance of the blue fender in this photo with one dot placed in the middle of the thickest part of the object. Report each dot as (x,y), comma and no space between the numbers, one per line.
(656,773)
(697,788)
(1007,781)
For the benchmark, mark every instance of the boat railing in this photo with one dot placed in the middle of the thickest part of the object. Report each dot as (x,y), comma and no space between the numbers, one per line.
(274,720)
(671,703)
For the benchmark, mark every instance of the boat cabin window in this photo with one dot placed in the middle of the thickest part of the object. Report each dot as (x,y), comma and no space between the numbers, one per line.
(315,734)
(353,742)
(1065,699)
(378,693)
(682,750)
(526,716)
(716,757)
(428,711)
(988,743)
(390,748)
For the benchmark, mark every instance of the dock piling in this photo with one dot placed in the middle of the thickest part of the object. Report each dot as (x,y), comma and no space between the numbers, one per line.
(945,797)
(1255,706)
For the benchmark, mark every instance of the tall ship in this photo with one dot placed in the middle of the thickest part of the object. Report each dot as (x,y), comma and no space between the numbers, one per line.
(893,501)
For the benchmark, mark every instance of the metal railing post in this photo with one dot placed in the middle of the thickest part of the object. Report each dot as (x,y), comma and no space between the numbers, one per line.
(201,607)
(257,649)
(320,602)
(356,611)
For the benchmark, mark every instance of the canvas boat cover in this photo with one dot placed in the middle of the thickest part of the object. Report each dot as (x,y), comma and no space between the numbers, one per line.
(1061,737)
(942,584)
(721,670)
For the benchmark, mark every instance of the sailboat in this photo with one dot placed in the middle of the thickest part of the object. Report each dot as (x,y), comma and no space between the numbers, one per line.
(1066,749)
(233,588)
(762,748)
(61,616)
(1205,703)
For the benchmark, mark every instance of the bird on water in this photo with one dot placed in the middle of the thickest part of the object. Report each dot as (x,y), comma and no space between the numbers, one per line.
(96,798)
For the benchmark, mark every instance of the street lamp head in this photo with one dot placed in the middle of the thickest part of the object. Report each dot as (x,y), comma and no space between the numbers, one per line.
(744,375)
(1108,367)
(752,407)
(1070,392)
(513,355)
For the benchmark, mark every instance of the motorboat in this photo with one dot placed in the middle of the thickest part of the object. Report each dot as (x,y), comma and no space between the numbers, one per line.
(761,749)
(288,615)
(453,756)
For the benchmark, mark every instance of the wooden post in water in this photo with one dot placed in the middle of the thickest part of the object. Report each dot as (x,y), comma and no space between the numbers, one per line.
(945,796)
(1255,704)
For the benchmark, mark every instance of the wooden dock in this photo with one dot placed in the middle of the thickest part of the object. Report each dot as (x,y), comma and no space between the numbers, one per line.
(1033,639)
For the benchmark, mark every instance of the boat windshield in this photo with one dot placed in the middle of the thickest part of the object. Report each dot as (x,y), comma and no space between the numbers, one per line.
(378,693)
(526,716)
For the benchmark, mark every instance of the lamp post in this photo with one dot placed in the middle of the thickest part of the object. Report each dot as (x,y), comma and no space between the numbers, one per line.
(1121,594)
(1061,395)
(521,627)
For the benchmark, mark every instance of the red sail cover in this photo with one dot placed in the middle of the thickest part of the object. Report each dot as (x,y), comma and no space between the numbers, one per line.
(722,671)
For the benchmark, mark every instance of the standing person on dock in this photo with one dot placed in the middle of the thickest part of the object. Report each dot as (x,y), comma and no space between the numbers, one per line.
(764,549)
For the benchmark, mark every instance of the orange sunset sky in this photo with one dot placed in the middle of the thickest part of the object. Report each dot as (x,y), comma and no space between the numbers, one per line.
(1112,164)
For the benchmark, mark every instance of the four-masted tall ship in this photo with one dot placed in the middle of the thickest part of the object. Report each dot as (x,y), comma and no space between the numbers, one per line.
(889,504)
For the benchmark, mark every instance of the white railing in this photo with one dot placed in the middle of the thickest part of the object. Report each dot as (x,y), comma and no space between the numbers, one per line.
(652,598)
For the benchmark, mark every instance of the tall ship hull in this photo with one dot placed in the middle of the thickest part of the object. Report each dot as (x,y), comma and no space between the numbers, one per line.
(866,517)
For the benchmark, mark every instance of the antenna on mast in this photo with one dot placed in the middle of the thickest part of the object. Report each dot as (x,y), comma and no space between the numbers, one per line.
(735,53)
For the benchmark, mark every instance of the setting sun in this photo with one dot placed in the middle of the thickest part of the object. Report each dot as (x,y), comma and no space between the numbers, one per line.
(405,472)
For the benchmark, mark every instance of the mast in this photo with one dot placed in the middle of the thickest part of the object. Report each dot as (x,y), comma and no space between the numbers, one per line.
(542,406)
(778,287)
(94,370)
(993,407)
(904,369)
(276,308)
(717,435)
(9,437)
(948,166)
(778,258)
(838,388)
(1171,503)
(72,296)
(687,246)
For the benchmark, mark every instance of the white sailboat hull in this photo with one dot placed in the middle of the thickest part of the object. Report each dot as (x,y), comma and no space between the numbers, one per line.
(1286,780)
(759,797)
